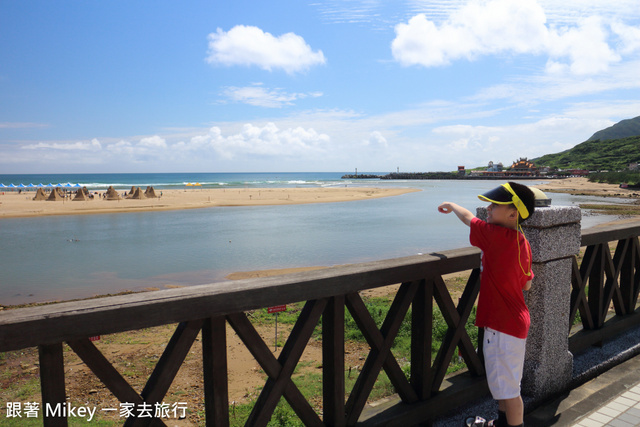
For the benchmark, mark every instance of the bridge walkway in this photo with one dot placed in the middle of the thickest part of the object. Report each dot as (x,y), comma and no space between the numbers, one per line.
(610,399)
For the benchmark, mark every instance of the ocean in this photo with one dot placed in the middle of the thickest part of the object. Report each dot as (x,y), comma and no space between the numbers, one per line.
(177,180)
(78,256)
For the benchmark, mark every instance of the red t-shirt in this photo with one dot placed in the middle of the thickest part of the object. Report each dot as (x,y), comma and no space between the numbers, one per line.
(501,303)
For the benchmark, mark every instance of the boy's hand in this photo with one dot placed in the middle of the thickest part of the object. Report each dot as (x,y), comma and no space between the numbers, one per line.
(463,214)
(445,208)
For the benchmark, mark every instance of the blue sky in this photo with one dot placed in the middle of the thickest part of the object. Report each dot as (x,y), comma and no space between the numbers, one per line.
(295,85)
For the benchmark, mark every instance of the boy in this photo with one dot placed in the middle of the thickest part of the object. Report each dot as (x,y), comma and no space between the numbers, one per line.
(502,312)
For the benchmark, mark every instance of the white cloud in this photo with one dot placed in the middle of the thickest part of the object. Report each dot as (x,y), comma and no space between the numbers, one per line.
(122,149)
(477,145)
(153,142)
(598,114)
(248,45)
(259,96)
(376,139)
(556,84)
(465,137)
(148,148)
(571,11)
(629,37)
(488,27)
(93,145)
(478,28)
(267,140)
(434,136)
(585,46)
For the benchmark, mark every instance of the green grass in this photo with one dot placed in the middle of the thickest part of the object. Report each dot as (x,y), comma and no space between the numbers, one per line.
(378,308)
(25,390)
(310,382)
(283,415)
(307,375)
(626,209)
(628,177)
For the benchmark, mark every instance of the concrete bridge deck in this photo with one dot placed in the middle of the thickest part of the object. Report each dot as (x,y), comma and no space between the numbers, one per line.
(605,391)
(610,399)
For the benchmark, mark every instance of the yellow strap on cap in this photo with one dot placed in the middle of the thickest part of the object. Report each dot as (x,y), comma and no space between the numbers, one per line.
(522,209)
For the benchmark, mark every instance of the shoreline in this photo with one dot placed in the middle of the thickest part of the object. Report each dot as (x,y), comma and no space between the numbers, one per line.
(582,187)
(20,205)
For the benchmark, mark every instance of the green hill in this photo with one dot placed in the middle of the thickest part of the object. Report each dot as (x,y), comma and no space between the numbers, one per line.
(613,154)
(611,149)
(622,129)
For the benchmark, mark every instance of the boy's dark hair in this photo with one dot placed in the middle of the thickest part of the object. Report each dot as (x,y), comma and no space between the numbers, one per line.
(527,197)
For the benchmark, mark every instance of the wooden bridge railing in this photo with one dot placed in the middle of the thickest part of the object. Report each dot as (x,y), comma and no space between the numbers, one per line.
(208,308)
(602,280)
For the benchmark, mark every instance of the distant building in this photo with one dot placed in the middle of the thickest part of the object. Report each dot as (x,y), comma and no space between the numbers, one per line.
(523,167)
(520,168)
(461,170)
(544,170)
(494,167)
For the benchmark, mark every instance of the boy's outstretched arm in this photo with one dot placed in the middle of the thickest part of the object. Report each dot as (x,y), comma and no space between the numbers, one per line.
(462,213)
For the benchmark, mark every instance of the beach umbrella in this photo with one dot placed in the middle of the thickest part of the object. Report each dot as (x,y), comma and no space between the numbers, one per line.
(22,186)
(50,185)
(60,185)
(31,185)
(78,185)
(2,185)
(11,186)
(41,185)
(68,185)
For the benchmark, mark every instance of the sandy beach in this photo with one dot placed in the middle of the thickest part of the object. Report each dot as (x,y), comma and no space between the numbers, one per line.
(14,204)
(582,186)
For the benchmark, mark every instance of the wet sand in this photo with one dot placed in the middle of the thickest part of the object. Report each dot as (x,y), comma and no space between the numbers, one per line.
(582,186)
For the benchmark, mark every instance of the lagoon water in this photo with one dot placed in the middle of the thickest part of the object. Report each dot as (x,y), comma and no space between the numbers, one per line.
(66,257)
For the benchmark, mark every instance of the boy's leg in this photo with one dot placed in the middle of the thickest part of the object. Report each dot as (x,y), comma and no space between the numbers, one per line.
(514,408)
(504,360)
(502,416)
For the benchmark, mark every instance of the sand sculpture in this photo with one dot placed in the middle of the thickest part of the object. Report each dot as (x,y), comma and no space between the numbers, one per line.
(40,195)
(112,194)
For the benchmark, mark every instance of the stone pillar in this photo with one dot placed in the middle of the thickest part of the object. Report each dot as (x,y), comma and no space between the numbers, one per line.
(554,234)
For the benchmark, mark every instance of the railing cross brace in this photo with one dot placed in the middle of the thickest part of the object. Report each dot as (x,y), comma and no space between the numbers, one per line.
(167,368)
(104,370)
(612,287)
(579,297)
(280,370)
(456,319)
(380,354)
(158,383)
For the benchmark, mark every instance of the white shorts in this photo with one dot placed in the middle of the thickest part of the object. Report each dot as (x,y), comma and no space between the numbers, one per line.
(503,361)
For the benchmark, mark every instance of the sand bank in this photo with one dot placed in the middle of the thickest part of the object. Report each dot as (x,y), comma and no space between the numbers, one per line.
(14,205)
(582,186)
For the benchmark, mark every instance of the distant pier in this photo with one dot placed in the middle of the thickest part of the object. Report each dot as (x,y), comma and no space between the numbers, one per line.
(442,175)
